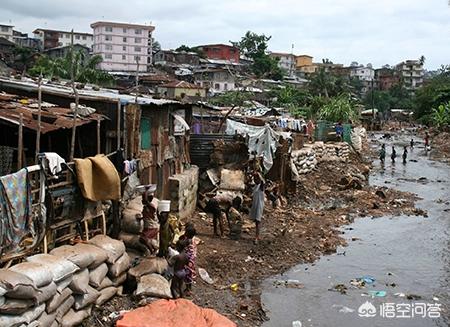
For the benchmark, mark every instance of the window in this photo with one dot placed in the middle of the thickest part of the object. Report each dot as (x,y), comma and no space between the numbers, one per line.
(138,31)
(217,86)
(108,56)
(124,40)
(124,30)
(137,40)
(137,58)
(108,47)
(225,86)
(108,38)
(146,135)
(124,57)
(67,36)
(84,37)
(77,37)
(108,29)
(5,28)
(137,49)
(124,48)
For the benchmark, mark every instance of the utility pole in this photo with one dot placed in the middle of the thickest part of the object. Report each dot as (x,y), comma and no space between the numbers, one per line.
(75,114)
(38,136)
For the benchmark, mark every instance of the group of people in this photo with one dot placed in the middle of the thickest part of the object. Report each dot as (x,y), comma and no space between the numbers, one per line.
(182,259)
(382,153)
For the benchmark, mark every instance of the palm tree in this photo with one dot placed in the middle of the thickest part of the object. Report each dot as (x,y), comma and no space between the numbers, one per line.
(422,60)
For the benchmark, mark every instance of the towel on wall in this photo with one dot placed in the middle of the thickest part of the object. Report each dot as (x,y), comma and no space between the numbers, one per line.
(15,210)
(97,178)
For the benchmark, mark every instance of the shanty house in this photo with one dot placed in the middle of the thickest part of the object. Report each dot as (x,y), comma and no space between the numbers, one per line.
(182,90)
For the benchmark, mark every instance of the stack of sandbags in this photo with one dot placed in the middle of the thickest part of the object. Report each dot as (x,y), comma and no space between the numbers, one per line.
(150,282)
(319,150)
(108,276)
(336,151)
(304,160)
(358,136)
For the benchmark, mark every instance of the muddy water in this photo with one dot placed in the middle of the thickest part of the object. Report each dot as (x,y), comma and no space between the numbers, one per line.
(411,254)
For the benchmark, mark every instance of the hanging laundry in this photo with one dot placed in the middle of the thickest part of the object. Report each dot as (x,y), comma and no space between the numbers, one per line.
(53,162)
(15,210)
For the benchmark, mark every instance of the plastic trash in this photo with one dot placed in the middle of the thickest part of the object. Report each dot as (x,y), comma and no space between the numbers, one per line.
(234,287)
(343,308)
(297,323)
(205,276)
(368,279)
(377,293)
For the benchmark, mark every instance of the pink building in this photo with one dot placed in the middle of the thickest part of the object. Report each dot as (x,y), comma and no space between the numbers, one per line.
(122,45)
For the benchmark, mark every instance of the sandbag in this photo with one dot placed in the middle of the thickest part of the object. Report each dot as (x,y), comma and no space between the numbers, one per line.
(46,293)
(57,300)
(106,283)
(80,282)
(46,320)
(132,241)
(97,275)
(83,300)
(105,295)
(168,313)
(232,180)
(15,306)
(64,307)
(25,318)
(149,266)
(129,222)
(120,266)
(78,255)
(97,253)
(38,273)
(154,285)
(60,267)
(64,283)
(114,248)
(17,285)
(75,318)
(2,299)
(119,280)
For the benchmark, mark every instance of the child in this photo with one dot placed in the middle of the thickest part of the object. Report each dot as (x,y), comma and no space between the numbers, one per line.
(383,153)
(411,143)
(213,207)
(165,234)
(190,249)
(179,270)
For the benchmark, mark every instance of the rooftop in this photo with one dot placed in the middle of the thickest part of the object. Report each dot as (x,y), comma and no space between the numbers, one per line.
(215,45)
(59,31)
(181,85)
(88,93)
(126,25)
(52,117)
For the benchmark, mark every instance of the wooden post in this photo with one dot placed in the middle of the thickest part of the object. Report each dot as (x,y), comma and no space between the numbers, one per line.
(75,114)
(20,144)
(118,125)
(98,137)
(38,136)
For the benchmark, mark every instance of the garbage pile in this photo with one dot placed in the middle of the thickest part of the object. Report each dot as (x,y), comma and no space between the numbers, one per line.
(61,288)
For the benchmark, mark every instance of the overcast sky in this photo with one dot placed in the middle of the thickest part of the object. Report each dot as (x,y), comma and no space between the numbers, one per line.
(367,31)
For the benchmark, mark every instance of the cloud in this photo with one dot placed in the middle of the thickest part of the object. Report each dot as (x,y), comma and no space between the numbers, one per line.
(382,31)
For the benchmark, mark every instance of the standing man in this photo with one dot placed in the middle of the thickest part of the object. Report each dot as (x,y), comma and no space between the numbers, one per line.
(383,153)
(405,154)
(427,141)
(393,154)
(310,130)
(257,209)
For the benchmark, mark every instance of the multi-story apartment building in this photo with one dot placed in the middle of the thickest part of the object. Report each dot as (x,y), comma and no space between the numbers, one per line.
(6,32)
(286,61)
(124,47)
(365,74)
(54,38)
(411,72)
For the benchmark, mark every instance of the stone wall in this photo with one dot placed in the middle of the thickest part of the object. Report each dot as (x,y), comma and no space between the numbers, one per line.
(183,192)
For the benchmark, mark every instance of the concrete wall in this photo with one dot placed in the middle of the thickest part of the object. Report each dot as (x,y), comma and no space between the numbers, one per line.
(183,192)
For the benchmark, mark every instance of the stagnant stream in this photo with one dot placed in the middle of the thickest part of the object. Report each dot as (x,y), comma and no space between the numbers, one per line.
(410,254)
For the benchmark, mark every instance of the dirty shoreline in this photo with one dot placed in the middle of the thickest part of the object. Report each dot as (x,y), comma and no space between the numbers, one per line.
(299,232)
(304,228)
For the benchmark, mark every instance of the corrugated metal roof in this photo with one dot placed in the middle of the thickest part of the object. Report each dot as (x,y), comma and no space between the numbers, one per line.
(52,118)
(86,93)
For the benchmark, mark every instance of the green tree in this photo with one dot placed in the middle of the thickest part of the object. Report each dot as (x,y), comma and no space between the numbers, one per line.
(85,68)
(23,58)
(254,46)
(340,108)
(440,116)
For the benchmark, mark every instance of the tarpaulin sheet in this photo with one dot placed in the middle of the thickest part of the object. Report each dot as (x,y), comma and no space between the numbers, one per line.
(262,139)
(15,210)
(170,313)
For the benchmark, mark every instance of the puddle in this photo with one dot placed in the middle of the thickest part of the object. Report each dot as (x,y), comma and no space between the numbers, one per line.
(406,255)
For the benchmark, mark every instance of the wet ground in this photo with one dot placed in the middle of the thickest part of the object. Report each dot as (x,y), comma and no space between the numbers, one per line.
(408,256)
